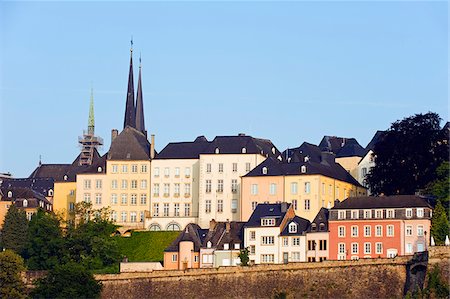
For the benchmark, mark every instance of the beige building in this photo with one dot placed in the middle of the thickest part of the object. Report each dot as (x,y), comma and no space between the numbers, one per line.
(317,238)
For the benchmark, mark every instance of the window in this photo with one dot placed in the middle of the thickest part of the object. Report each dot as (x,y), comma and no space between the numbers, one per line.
(187,190)
(113,198)
(367,248)
(420,247)
(141,216)
(143,199)
(176,209)
(176,190)
(354,231)
(267,258)
(294,203)
(307,204)
(367,231)
(208,206)
(292,227)
(123,216)
(378,248)
(378,231)
(143,184)
(323,245)
(72,192)
(87,197)
(378,213)
(254,189)
(208,167)
(124,168)
(177,172)
(294,188)
(114,184)
(166,210)
(156,190)
(25,203)
(420,213)
(87,184)
(115,168)
(220,205)
(234,167)
(296,241)
(208,186)
(303,169)
(354,248)
(98,198)
(156,172)
(367,214)
(355,214)
(134,168)
(267,222)
(420,230)
(390,231)
(124,184)
(264,170)
(220,186)
(247,167)
(296,256)
(166,172)
(144,168)
(132,216)
(220,167)
(267,240)
(390,213)
(187,172)
(234,205)
(273,189)
(123,199)
(134,184)
(285,242)
(341,248)
(341,214)
(341,231)
(166,190)
(187,209)
(234,185)
(226,246)
(307,187)
(252,235)
(408,213)
(254,204)
(409,230)
(174,257)
(133,199)
(114,216)
(409,248)
(311,245)
(98,184)
(155,209)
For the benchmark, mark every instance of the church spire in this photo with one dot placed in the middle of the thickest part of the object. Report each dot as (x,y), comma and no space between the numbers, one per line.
(140,125)
(91,121)
(130,110)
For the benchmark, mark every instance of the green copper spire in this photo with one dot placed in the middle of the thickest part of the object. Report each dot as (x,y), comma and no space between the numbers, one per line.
(91,121)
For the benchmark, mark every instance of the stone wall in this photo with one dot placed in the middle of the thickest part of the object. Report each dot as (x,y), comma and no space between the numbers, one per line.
(380,278)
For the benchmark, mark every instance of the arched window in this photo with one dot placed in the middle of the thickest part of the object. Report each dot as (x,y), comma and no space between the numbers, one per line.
(313,227)
(50,192)
(264,170)
(65,177)
(321,227)
(292,227)
(25,203)
(9,193)
(273,150)
(244,150)
(173,226)
(154,227)
(99,169)
(217,150)
(303,169)
(209,244)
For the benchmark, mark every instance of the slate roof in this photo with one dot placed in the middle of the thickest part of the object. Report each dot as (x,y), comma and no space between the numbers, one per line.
(375,139)
(341,146)
(21,193)
(184,150)
(266,211)
(40,185)
(192,232)
(219,236)
(130,144)
(326,168)
(234,145)
(101,162)
(351,149)
(373,202)
(301,223)
(321,218)
(298,154)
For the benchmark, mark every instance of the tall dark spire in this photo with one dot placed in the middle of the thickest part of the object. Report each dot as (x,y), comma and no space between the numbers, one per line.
(140,125)
(130,110)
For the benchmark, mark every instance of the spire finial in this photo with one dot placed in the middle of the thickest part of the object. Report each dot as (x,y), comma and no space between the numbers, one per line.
(140,61)
(40,160)
(131,42)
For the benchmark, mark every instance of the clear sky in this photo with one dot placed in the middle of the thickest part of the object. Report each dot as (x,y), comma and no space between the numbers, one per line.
(289,71)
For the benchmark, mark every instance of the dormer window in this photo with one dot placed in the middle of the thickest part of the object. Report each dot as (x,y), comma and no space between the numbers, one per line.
(268,222)
(65,177)
(419,213)
(264,170)
(209,244)
(25,203)
(226,246)
(244,150)
(50,192)
(408,213)
(292,227)
(99,169)
(303,169)
(313,227)
(341,214)
(217,150)
(10,194)
(273,150)
(279,158)
(237,246)
(306,159)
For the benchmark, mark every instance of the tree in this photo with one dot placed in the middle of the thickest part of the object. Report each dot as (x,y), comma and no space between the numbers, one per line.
(439,224)
(45,246)
(439,188)
(407,157)
(11,284)
(243,255)
(15,229)
(70,280)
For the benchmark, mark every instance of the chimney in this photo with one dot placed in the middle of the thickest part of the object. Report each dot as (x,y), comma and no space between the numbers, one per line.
(284,206)
(227,226)
(114,134)
(152,146)
(241,134)
(212,225)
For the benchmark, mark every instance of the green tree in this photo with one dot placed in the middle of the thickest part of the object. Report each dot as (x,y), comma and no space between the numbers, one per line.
(440,187)
(243,255)
(437,287)
(11,284)
(439,224)
(45,246)
(408,155)
(70,280)
(15,229)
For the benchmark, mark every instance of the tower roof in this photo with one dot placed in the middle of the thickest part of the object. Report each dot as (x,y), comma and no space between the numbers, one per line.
(140,125)
(130,110)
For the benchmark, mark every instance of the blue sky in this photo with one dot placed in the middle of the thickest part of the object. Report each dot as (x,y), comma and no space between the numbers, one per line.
(289,71)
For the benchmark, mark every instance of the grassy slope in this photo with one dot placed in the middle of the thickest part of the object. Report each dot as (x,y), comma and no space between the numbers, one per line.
(146,246)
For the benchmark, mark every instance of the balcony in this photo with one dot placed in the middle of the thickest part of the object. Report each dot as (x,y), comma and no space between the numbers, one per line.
(166,194)
(176,195)
(186,195)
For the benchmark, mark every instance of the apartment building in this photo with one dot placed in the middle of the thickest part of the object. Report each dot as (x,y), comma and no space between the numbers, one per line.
(317,238)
